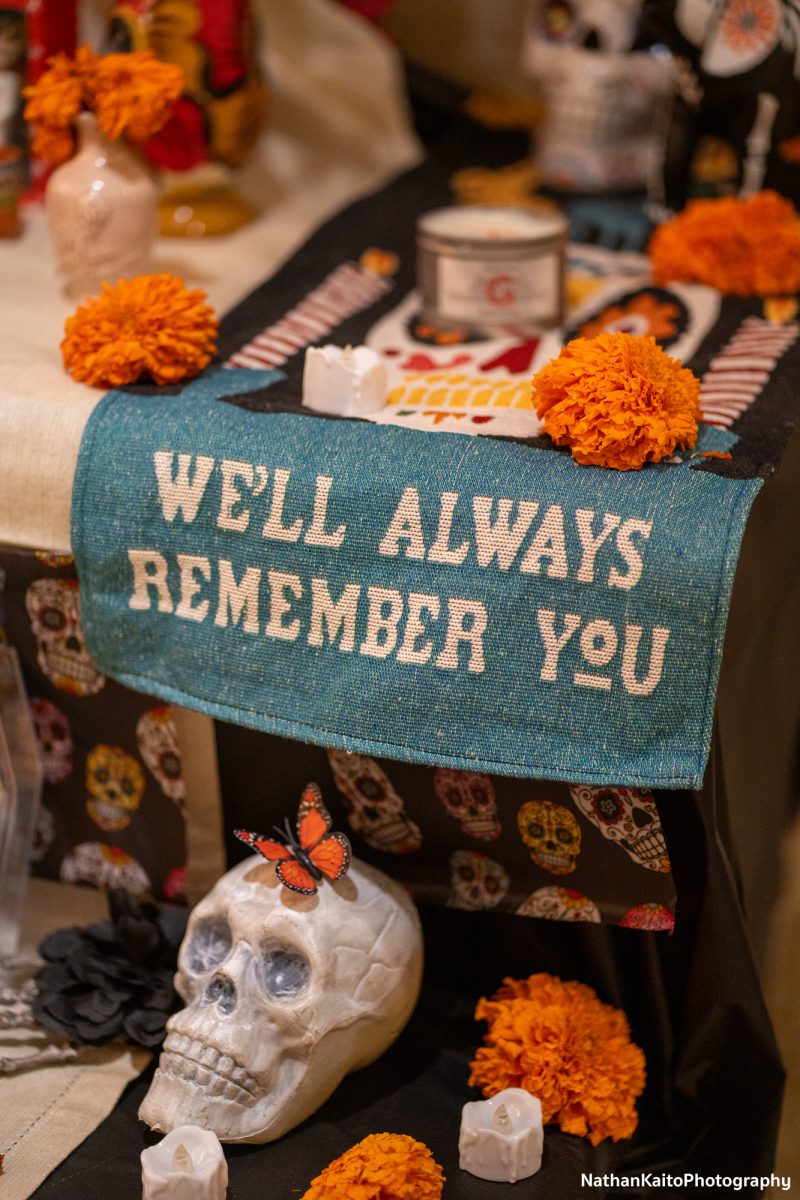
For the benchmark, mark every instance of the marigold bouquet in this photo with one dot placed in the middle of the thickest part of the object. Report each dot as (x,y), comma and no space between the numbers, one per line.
(561,1043)
(131,95)
(383,1166)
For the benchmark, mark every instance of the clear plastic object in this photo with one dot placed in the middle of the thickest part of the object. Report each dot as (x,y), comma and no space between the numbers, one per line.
(20,796)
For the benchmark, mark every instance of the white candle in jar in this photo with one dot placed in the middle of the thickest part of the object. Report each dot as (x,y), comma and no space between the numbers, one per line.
(502,1138)
(187,1165)
(349,382)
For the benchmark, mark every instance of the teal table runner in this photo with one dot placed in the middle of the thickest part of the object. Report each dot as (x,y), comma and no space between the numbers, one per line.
(455,601)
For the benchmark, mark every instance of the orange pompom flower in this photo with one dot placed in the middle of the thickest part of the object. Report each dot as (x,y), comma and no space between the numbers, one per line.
(55,99)
(747,247)
(617,401)
(559,1042)
(383,1166)
(133,95)
(152,325)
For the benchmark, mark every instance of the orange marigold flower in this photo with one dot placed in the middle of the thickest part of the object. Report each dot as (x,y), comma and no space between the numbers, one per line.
(383,1166)
(748,247)
(151,325)
(53,144)
(559,1042)
(617,401)
(55,98)
(133,95)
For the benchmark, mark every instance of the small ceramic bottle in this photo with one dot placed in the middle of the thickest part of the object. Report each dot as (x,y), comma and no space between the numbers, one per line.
(101,209)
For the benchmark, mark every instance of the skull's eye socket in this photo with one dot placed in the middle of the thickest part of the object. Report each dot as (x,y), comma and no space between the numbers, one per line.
(466,873)
(210,944)
(536,829)
(564,836)
(491,885)
(170,764)
(52,619)
(284,972)
(101,775)
(368,787)
(127,787)
(480,797)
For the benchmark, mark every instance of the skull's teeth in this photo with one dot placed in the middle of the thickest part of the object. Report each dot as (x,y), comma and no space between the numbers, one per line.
(196,1062)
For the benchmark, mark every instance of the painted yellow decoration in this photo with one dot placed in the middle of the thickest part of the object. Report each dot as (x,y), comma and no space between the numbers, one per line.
(444,389)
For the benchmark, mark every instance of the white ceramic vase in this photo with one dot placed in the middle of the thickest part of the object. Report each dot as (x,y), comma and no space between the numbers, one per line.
(101,208)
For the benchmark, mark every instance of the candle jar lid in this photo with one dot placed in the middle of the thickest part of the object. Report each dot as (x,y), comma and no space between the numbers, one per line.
(493,229)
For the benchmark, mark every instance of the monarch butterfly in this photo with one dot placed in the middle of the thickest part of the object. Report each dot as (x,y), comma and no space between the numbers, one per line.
(302,860)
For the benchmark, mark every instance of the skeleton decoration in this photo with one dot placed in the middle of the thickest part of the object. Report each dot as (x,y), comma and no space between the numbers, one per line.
(54,736)
(629,817)
(552,835)
(739,62)
(476,882)
(104,867)
(285,995)
(470,798)
(373,807)
(115,783)
(559,904)
(157,739)
(606,108)
(55,614)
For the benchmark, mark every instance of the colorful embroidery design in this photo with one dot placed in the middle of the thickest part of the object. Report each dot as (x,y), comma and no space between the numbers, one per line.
(115,783)
(54,609)
(559,904)
(476,882)
(629,817)
(104,867)
(346,291)
(552,835)
(648,916)
(373,807)
(54,736)
(157,739)
(650,312)
(469,798)
(737,376)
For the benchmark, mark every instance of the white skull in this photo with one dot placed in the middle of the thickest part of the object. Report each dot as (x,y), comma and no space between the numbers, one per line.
(54,736)
(286,994)
(54,608)
(470,798)
(373,807)
(559,904)
(476,882)
(628,816)
(603,127)
(157,739)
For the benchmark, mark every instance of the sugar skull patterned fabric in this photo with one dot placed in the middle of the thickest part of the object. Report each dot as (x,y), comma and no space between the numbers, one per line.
(464,839)
(113,793)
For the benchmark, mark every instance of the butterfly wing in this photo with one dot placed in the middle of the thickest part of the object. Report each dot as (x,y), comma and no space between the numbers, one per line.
(269,848)
(332,855)
(293,875)
(313,818)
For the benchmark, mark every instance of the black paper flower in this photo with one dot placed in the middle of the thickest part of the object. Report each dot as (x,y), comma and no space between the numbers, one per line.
(111,978)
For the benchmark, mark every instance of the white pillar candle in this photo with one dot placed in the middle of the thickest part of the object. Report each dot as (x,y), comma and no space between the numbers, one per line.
(187,1165)
(502,1138)
(350,382)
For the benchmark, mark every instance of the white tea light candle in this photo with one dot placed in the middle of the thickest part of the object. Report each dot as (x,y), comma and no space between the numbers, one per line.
(502,1138)
(187,1165)
(483,267)
(349,382)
